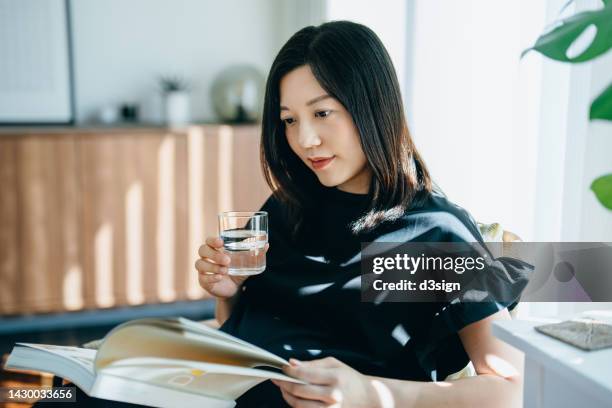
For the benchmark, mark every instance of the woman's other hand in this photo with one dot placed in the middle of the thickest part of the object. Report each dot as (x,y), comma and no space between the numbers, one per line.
(331,383)
(212,269)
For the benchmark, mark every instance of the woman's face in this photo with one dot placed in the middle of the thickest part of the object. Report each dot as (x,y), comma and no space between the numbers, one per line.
(322,133)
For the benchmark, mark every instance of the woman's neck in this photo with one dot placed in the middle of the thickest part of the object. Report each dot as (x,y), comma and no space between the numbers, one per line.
(358,184)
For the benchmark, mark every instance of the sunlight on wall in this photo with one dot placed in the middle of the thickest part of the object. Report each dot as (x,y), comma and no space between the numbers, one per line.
(165,220)
(133,241)
(73,288)
(196,175)
(104,266)
(225,169)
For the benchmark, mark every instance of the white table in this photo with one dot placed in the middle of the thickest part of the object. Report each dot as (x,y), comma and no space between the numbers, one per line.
(557,374)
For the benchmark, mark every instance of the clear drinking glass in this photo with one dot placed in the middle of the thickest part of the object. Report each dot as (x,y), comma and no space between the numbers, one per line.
(244,234)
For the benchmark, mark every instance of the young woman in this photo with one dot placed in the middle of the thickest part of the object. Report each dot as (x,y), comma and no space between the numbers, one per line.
(337,153)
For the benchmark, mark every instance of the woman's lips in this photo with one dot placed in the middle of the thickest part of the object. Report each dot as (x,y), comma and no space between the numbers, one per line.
(321,163)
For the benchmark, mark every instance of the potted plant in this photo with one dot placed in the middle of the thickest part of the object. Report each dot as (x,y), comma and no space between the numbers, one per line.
(175,92)
(594,26)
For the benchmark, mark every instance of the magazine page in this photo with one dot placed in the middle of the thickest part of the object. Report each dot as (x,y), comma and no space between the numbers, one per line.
(123,389)
(215,380)
(190,328)
(135,340)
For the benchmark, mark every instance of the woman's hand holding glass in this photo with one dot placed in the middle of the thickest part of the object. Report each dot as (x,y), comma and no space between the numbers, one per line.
(213,269)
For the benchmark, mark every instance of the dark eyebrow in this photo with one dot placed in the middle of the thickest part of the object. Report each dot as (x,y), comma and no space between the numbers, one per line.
(310,102)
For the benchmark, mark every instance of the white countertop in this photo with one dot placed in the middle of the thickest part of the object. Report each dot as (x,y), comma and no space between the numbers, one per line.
(590,370)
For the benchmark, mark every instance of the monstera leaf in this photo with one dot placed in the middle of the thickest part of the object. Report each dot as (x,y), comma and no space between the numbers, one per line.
(579,38)
(602,187)
(601,108)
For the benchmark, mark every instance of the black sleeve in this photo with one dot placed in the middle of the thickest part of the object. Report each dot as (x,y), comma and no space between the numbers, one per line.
(496,287)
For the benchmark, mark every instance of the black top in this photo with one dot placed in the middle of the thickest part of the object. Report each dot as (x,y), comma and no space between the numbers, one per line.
(306,305)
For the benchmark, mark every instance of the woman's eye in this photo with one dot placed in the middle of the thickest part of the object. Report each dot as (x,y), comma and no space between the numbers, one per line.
(288,121)
(323,114)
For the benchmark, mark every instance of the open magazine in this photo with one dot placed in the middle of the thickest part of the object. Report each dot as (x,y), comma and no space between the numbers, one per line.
(158,362)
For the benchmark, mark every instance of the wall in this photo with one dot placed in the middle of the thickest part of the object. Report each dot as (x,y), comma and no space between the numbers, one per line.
(387,20)
(121,47)
(474,105)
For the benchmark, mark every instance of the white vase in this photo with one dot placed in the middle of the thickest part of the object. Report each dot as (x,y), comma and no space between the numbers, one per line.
(177,108)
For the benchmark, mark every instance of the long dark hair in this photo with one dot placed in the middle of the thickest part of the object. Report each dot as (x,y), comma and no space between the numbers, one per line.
(352,65)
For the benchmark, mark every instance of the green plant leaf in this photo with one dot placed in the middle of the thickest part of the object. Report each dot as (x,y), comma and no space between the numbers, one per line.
(569,2)
(555,43)
(601,108)
(602,187)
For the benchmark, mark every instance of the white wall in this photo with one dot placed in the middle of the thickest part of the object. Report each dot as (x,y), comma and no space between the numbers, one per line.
(122,46)
(475,105)
(387,18)
(297,14)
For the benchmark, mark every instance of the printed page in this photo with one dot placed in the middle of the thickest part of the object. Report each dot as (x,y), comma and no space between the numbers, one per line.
(209,331)
(219,381)
(190,326)
(157,339)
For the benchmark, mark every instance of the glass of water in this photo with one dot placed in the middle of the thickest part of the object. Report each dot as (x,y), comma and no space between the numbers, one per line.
(244,234)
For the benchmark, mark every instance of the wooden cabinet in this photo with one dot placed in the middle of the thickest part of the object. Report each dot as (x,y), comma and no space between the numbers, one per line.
(94,218)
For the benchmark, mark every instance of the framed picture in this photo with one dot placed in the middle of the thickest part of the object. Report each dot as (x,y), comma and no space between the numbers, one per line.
(36,85)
